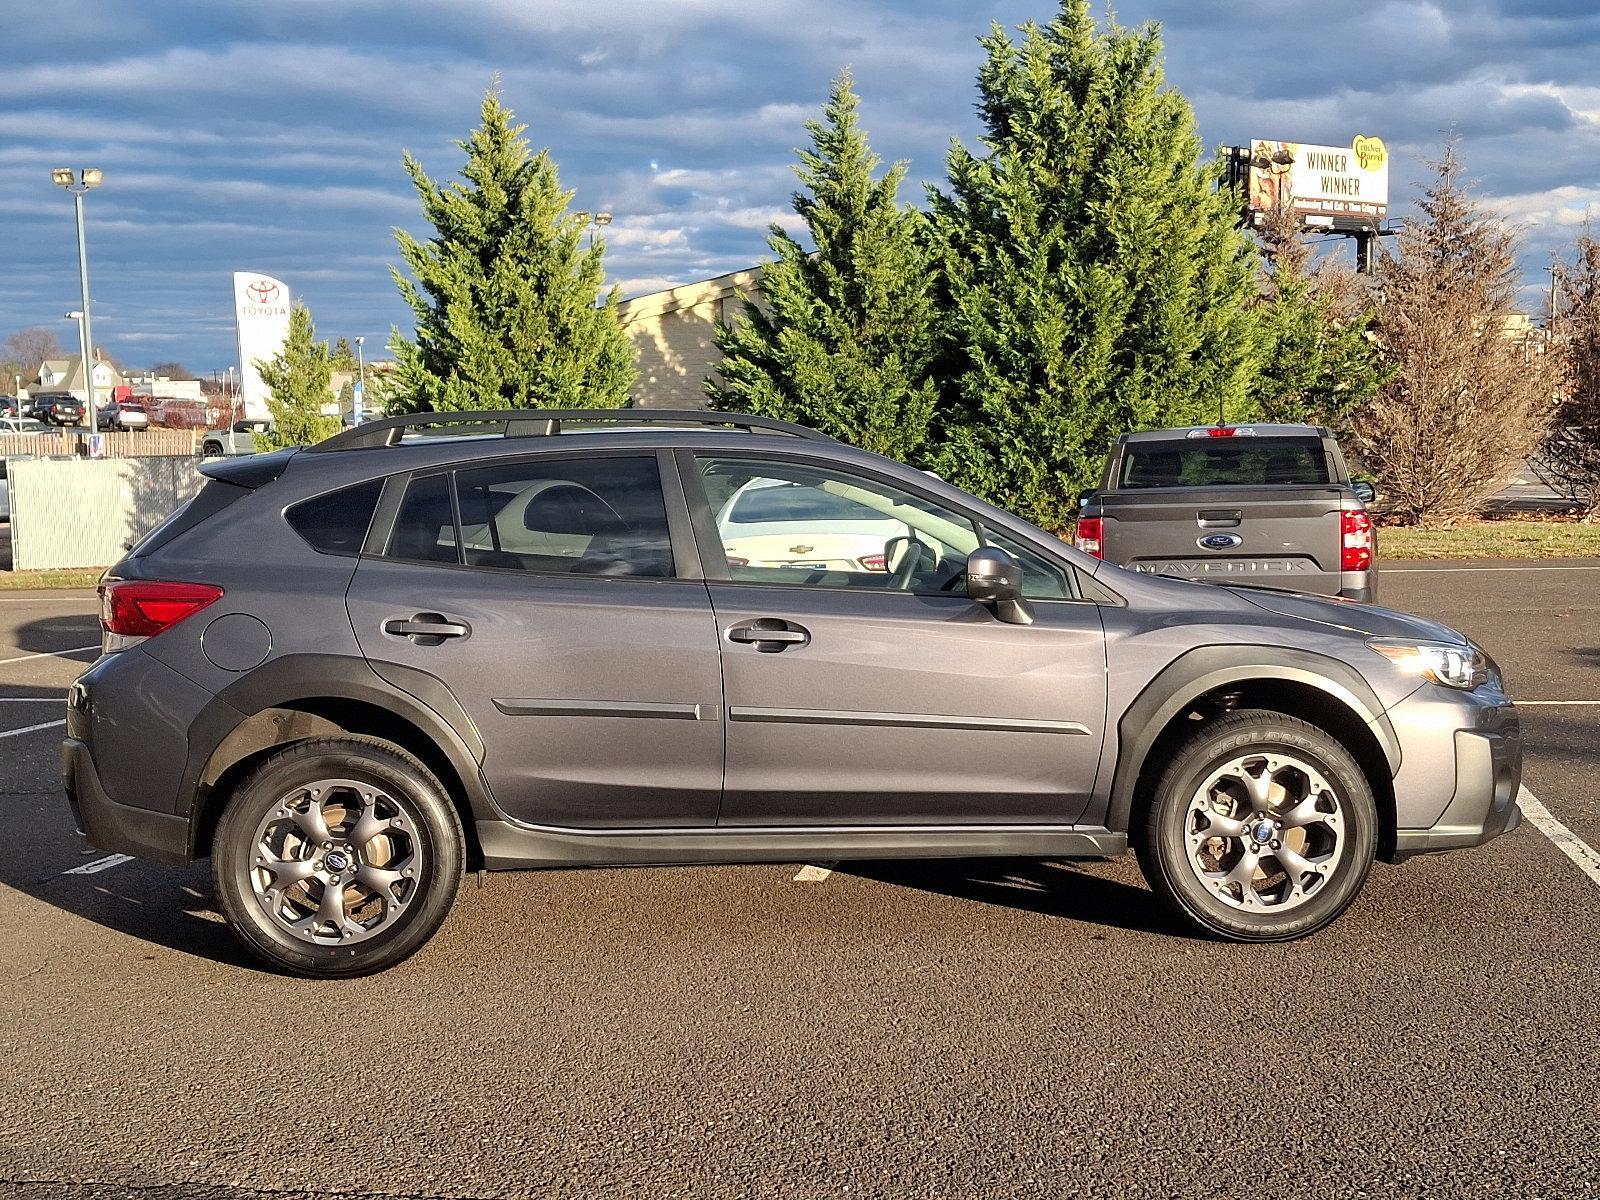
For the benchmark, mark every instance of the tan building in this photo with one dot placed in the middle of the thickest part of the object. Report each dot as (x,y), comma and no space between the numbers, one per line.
(673,333)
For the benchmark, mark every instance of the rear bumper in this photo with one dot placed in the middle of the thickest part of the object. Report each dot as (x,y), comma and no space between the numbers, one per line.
(120,828)
(1485,779)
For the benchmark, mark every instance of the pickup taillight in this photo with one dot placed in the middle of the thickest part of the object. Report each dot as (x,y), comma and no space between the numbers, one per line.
(1355,539)
(1087,536)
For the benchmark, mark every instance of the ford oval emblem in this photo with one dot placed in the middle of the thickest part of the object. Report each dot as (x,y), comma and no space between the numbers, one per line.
(1219,541)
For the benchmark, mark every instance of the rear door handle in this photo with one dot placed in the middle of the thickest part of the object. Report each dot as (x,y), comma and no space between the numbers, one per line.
(769,634)
(427,629)
(1219,518)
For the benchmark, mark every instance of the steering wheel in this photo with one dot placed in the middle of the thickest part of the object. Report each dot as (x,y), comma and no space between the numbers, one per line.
(906,569)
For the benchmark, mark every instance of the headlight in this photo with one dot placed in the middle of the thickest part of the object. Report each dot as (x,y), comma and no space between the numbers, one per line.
(1448,663)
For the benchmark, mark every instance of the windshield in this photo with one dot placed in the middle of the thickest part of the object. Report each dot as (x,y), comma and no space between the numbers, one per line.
(1224,461)
(796,502)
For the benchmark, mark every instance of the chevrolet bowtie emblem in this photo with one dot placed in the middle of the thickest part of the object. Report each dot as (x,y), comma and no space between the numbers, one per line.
(801,549)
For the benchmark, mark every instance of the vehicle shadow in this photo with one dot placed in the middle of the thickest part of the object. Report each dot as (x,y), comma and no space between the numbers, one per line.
(169,907)
(1049,887)
(69,629)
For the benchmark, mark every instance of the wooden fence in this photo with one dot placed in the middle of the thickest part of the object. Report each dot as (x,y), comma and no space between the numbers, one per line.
(74,443)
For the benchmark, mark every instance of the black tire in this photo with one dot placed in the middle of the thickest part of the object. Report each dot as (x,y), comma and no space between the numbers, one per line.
(432,836)
(1162,844)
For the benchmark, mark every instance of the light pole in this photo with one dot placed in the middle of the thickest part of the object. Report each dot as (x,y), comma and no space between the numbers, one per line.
(592,221)
(78,184)
(361,380)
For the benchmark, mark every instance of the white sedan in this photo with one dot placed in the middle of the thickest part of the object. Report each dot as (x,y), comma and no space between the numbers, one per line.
(774,523)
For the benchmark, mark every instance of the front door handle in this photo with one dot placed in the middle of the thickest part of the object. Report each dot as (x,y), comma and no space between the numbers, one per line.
(769,634)
(427,629)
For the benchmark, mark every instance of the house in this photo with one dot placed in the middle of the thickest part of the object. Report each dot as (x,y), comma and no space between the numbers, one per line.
(66,375)
(673,333)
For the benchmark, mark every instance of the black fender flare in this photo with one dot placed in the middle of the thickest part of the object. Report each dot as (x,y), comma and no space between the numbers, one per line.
(413,695)
(1204,669)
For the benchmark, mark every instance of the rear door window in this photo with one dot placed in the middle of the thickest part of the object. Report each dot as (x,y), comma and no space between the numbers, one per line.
(1224,462)
(554,516)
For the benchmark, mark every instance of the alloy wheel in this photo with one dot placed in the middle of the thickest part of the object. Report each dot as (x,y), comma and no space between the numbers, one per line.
(1265,832)
(336,861)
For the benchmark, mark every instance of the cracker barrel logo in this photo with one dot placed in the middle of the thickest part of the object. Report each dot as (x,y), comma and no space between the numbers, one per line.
(1370,152)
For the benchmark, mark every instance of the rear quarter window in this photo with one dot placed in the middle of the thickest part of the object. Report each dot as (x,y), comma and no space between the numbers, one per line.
(336,523)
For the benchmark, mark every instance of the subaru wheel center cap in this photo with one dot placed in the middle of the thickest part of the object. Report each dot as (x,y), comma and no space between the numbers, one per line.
(336,861)
(1263,831)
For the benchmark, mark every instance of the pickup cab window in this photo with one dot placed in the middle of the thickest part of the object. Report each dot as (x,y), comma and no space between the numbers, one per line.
(1223,462)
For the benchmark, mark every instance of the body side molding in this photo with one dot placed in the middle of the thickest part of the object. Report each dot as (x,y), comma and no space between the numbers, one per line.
(830,716)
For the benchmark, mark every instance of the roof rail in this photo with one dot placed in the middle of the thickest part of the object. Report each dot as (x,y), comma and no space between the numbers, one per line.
(547,422)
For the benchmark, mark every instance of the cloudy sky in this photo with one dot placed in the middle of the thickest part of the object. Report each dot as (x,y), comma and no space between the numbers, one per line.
(252,135)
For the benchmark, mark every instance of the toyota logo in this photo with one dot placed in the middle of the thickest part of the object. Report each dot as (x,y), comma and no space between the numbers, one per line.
(262,291)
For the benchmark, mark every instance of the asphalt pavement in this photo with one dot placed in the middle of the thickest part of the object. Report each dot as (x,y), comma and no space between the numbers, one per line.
(958,1029)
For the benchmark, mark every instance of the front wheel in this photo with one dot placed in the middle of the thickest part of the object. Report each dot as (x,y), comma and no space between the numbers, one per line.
(337,857)
(1263,829)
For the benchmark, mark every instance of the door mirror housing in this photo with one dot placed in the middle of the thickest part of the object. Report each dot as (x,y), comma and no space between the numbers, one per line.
(1085,497)
(994,580)
(1365,491)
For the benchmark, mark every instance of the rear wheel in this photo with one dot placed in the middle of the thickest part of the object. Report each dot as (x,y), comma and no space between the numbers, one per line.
(337,857)
(1263,829)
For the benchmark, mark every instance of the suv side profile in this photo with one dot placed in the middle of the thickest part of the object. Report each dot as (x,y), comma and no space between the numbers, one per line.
(520,640)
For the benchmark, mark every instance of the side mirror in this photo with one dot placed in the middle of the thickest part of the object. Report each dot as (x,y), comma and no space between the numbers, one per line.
(1085,497)
(1365,491)
(994,579)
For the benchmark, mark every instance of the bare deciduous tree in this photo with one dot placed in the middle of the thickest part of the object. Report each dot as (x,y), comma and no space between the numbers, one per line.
(1470,400)
(1571,456)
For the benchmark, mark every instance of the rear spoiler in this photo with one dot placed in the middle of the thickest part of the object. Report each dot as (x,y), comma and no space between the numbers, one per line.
(250,471)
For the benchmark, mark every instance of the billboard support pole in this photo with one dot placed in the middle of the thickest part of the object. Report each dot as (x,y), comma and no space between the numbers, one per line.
(1365,242)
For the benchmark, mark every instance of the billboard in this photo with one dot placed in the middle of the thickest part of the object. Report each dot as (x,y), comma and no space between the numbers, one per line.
(1324,185)
(261,312)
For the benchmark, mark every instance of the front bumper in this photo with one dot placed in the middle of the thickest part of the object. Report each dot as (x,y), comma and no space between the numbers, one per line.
(1482,775)
(120,828)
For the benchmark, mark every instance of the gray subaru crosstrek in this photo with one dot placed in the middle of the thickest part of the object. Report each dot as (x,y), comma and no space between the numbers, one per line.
(351,672)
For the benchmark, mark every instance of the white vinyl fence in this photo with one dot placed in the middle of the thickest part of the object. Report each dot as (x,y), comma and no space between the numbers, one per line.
(85,512)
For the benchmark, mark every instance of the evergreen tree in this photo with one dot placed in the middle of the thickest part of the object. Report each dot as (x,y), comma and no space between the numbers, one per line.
(343,355)
(842,340)
(300,379)
(1320,361)
(1097,280)
(1470,397)
(506,295)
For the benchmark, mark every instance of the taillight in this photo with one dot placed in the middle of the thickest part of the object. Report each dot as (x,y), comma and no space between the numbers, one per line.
(873,562)
(134,609)
(1087,536)
(1355,540)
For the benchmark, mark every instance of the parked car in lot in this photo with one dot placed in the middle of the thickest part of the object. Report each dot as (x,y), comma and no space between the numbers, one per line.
(239,438)
(127,416)
(1272,505)
(5,482)
(772,523)
(23,425)
(349,673)
(58,408)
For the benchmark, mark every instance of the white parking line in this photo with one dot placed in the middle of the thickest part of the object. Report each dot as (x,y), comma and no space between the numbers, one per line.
(812,873)
(32,699)
(32,728)
(1433,570)
(1569,843)
(1553,703)
(50,654)
(99,864)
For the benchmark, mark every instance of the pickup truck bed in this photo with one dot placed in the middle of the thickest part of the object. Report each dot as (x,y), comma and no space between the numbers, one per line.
(1267,505)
